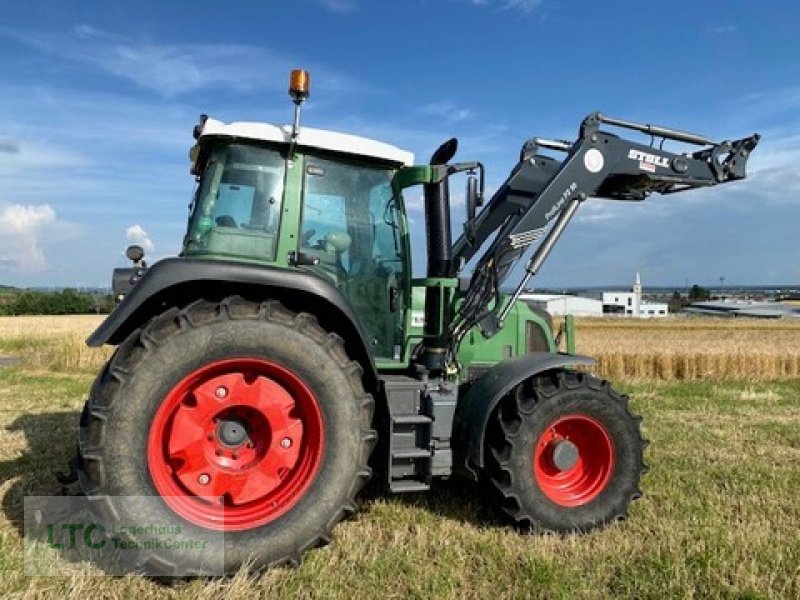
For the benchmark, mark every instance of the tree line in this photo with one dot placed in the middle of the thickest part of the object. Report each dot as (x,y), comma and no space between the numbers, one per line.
(62,302)
(680,301)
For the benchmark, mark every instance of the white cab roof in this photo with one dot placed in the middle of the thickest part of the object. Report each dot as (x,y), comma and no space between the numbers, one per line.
(316,138)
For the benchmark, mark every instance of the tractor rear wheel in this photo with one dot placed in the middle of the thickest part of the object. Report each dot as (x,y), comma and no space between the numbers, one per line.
(564,453)
(249,421)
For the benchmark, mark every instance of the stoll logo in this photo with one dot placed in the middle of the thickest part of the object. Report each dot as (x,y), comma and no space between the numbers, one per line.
(648,162)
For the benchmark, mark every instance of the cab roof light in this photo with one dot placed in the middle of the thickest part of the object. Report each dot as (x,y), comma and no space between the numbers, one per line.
(299,85)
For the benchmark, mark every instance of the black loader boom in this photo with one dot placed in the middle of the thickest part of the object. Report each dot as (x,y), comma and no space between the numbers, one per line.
(541,190)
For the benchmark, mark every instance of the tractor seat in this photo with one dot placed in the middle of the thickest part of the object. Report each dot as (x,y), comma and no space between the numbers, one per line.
(225,221)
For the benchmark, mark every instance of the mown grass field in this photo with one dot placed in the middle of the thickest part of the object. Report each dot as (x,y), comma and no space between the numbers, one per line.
(720,515)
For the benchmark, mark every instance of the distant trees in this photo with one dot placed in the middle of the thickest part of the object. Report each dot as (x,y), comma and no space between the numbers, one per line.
(677,302)
(699,294)
(63,302)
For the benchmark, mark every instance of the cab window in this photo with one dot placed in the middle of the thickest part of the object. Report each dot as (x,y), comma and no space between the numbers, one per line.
(237,207)
(350,222)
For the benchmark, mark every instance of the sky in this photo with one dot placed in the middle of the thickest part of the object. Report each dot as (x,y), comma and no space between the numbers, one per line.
(98,99)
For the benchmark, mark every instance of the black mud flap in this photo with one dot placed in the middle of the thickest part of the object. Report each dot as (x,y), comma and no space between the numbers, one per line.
(473,411)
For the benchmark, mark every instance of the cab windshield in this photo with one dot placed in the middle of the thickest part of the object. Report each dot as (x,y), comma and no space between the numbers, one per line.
(237,207)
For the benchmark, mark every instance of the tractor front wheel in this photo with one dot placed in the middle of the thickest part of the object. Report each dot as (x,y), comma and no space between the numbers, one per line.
(245,423)
(564,453)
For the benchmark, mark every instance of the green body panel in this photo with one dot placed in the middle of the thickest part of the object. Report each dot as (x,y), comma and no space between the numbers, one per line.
(290,217)
(416,175)
(511,341)
(475,349)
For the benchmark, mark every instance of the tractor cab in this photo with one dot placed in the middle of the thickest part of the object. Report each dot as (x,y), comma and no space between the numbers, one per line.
(316,200)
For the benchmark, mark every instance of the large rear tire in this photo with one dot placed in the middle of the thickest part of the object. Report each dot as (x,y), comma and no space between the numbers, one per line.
(245,418)
(564,453)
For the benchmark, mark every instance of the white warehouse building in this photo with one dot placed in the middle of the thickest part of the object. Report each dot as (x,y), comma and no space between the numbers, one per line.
(561,304)
(630,304)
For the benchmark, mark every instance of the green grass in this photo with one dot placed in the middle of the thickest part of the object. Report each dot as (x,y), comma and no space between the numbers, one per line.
(720,515)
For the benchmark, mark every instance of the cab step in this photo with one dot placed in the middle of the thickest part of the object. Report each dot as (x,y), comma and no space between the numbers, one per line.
(399,487)
(410,431)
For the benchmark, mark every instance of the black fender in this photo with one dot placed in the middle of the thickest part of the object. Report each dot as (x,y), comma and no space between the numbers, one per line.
(179,281)
(473,411)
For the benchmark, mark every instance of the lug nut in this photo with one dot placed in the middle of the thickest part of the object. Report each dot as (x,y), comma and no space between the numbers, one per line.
(203,479)
(286,443)
(221,392)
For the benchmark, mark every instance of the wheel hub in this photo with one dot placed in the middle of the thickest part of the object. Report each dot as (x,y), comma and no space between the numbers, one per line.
(232,432)
(565,455)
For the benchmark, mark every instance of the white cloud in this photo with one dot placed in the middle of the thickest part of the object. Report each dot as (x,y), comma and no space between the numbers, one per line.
(448,110)
(524,6)
(84,30)
(22,228)
(137,235)
(339,6)
(723,29)
(24,158)
(174,69)
(767,105)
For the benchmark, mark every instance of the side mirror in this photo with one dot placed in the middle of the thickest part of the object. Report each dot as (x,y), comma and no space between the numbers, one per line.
(472,196)
(135,253)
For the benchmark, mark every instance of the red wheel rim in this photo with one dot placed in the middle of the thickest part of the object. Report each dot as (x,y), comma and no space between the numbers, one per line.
(588,474)
(235,444)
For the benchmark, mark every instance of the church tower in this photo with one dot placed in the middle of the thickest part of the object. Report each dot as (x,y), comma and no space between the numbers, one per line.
(637,296)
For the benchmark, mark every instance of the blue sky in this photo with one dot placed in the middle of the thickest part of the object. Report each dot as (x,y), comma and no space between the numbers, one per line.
(97,102)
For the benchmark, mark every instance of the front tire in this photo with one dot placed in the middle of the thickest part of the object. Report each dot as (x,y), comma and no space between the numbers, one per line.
(564,453)
(248,420)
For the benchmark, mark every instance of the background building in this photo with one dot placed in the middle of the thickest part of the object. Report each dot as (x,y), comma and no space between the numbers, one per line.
(562,304)
(630,304)
(744,308)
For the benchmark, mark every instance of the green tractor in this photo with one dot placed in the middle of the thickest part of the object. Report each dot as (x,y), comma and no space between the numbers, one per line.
(287,355)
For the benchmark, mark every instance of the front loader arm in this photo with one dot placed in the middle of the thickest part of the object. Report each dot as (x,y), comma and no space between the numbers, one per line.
(541,189)
(623,170)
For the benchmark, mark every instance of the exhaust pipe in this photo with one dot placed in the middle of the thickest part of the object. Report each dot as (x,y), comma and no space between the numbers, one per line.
(440,260)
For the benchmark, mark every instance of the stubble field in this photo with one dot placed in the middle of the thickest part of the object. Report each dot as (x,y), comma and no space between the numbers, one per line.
(720,515)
